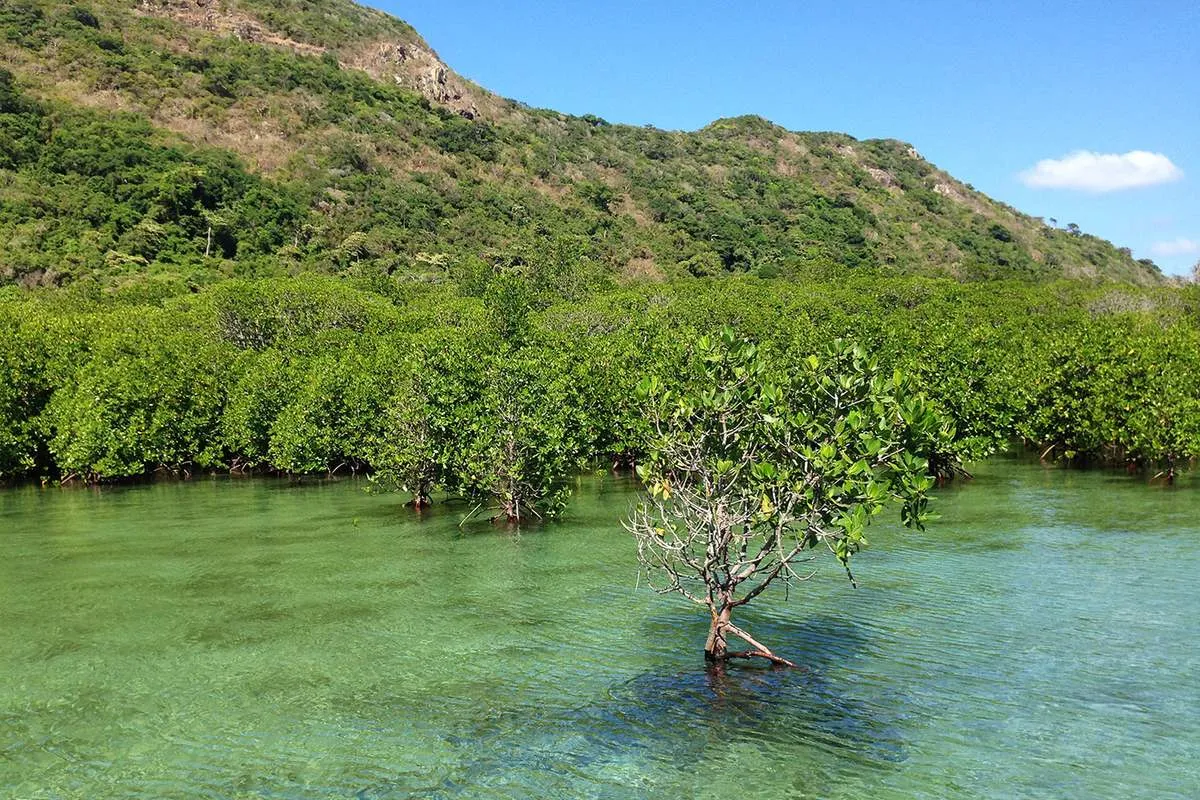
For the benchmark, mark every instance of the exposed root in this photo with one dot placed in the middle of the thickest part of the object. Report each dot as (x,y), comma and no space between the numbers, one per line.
(756,650)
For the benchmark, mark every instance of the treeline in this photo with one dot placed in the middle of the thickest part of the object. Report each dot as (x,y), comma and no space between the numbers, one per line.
(499,392)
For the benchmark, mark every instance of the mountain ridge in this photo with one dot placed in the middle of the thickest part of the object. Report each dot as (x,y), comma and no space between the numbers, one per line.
(401,167)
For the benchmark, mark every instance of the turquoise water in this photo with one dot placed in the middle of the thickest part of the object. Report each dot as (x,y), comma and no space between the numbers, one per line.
(254,639)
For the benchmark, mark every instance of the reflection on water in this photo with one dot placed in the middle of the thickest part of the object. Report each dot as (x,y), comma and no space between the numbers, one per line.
(263,640)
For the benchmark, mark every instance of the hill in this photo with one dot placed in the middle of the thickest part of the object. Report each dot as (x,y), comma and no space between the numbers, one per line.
(183,142)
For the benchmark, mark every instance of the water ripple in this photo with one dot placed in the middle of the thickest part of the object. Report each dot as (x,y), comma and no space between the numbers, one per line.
(252,641)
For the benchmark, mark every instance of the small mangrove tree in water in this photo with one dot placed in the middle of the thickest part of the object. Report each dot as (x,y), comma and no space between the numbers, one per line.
(754,462)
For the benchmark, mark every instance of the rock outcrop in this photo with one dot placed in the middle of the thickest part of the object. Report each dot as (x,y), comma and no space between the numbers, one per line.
(410,64)
(416,67)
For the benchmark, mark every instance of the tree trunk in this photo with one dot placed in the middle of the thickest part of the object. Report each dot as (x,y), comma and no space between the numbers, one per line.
(716,649)
(717,646)
(421,495)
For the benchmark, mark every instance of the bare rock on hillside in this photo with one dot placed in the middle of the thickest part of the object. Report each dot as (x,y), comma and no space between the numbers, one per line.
(409,63)
(416,67)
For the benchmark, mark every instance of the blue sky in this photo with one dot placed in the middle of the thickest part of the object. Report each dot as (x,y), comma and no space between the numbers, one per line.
(984,90)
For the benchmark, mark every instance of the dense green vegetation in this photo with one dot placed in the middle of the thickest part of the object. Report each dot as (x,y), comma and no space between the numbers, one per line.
(119,199)
(251,236)
(273,137)
(500,394)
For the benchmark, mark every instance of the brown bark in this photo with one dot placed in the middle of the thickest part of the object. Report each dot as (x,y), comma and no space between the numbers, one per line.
(716,649)
(717,646)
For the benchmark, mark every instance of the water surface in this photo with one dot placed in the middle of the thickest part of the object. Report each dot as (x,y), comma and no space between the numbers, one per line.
(255,639)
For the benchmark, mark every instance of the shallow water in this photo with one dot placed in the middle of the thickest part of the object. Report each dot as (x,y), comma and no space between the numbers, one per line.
(253,639)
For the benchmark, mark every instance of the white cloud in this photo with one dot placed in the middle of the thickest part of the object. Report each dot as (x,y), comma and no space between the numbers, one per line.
(1102,172)
(1176,247)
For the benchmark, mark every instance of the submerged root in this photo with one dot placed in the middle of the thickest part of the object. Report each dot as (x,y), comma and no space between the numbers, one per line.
(768,655)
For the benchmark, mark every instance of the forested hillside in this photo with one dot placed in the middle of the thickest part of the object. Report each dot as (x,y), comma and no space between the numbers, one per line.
(170,144)
(283,235)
